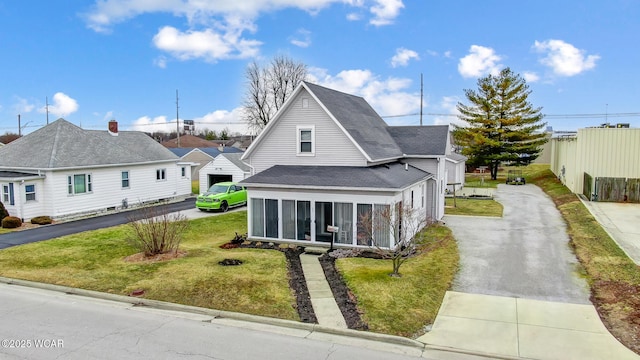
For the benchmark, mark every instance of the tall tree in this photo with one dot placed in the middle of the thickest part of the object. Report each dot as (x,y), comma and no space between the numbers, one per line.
(502,126)
(269,87)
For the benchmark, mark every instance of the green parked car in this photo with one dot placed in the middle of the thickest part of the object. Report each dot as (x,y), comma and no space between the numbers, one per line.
(222,196)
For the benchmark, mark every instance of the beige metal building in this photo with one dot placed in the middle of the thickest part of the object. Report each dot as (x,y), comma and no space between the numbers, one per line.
(599,152)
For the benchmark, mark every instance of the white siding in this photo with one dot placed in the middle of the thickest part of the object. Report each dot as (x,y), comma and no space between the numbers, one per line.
(279,146)
(220,166)
(455,174)
(435,166)
(107,191)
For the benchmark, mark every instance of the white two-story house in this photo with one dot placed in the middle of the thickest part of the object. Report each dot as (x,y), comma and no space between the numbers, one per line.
(327,158)
(62,170)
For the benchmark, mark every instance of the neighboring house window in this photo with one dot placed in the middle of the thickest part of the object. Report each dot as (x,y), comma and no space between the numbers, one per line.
(79,184)
(5,194)
(305,103)
(30,192)
(306,137)
(161,174)
(125,179)
(183,171)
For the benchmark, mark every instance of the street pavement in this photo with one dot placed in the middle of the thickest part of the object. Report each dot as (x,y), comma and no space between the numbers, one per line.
(67,228)
(44,324)
(524,254)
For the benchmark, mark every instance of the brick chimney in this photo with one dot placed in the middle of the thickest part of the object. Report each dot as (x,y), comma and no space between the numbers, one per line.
(113,128)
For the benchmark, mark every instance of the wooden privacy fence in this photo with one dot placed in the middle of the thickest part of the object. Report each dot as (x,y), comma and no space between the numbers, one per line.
(611,189)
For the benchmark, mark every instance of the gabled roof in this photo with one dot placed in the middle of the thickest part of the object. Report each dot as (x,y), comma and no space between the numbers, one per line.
(189,141)
(360,121)
(351,113)
(421,140)
(393,176)
(235,159)
(62,144)
(211,151)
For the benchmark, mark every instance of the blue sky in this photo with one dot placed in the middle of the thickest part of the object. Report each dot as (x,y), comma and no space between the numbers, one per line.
(125,59)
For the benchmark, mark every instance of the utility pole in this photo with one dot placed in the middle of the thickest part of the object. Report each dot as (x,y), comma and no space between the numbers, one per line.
(420,99)
(19,126)
(177,119)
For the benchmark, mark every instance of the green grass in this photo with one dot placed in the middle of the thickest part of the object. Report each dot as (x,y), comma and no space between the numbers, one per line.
(95,260)
(195,186)
(613,277)
(403,306)
(473,207)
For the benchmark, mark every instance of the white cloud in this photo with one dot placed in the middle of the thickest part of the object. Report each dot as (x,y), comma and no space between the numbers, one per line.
(61,106)
(22,106)
(385,11)
(207,45)
(450,112)
(402,57)
(390,96)
(563,58)
(158,123)
(447,54)
(216,27)
(161,62)
(531,77)
(302,38)
(216,120)
(480,61)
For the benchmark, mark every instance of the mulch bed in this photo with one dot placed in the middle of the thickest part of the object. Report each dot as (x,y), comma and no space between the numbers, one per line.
(344,297)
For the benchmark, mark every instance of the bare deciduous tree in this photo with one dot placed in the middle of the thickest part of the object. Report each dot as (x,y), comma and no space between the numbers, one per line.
(269,87)
(396,233)
(155,231)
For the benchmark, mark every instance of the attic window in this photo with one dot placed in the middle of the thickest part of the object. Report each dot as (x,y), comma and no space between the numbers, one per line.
(305,103)
(306,137)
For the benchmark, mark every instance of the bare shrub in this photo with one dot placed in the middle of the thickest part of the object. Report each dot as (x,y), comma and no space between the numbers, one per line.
(155,231)
(396,233)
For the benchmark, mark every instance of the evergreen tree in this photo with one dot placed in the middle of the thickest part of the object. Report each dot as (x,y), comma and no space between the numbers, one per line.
(502,126)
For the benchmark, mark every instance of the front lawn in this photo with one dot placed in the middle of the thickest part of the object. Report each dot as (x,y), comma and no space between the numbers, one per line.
(473,207)
(95,260)
(403,306)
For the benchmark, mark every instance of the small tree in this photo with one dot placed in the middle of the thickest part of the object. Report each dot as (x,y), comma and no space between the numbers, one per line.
(502,126)
(402,226)
(155,231)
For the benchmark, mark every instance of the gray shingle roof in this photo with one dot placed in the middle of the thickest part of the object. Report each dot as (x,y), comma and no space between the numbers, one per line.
(211,151)
(235,159)
(62,144)
(421,140)
(457,157)
(364,125)
(390,176)
(17,174)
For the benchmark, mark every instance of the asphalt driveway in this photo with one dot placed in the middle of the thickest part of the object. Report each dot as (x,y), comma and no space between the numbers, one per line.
(524,254)
(72,227)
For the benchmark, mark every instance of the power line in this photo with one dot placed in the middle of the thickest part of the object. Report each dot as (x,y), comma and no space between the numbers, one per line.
(569,116)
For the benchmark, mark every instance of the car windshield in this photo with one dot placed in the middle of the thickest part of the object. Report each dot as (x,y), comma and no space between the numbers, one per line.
(218,189)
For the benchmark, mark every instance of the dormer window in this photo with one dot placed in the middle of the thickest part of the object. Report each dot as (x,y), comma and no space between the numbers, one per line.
(306,140)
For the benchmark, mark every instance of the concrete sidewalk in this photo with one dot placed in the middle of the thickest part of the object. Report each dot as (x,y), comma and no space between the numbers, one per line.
(324,305)
(620,221)
(507,327)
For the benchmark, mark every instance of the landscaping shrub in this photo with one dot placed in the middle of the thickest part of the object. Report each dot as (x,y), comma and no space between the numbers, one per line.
(41,220)
(11,222)
(3,212)
(154,231)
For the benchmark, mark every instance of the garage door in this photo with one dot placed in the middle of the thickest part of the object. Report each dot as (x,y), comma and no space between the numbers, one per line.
(216,178)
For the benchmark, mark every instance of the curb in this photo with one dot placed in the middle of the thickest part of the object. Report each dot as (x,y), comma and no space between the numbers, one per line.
(220,314)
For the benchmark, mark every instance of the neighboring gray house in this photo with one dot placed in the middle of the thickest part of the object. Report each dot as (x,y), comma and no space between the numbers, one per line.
(225,167)
(327,158)
(62,170)
(455,168)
